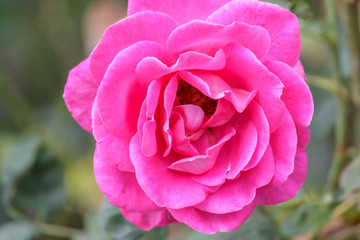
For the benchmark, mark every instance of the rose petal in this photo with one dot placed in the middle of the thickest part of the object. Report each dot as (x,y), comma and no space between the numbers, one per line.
(183,11)
(119,88)
(288,189)
(235,195)
(282,25)
(296,93)
(79,94)
(224,112)
(211,223)
(121,188)
(299,68)
(149,220)
(215,87)
(284,144)
(114,149)
(126,32)
(204,162)
(242,146)
(244,71)
(151,68)
(208,38)
(166,187)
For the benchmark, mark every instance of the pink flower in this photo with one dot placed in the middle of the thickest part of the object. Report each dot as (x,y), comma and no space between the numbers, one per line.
(199,109)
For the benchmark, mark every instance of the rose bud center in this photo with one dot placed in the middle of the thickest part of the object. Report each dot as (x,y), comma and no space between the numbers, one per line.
(187,94)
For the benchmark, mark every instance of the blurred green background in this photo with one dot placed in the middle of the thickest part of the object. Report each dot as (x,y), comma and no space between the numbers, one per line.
(47,185)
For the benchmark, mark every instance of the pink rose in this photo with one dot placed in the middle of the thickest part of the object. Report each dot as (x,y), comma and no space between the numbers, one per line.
(199,109)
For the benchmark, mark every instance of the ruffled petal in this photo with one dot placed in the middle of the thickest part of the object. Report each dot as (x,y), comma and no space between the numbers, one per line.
(211,223)
(121,188)
(151,68)
(79,94)
(288,189)
(208,38)
(282,25)
(126,32)
(296,93)
(204,162)
(120,91)
(149,220)
(183,11)
(244,71)
(215,87)
(166,187)
(235,195)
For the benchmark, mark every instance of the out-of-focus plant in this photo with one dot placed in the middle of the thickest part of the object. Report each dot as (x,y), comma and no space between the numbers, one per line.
(46,182)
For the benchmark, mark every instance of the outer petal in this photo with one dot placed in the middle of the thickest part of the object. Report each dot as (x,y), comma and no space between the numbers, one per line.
(211,223)
(120,86)
(235,195)
(299,68)
(296,94)
(284,144)
(126,32)
(114,149)
(207,38)
(79,94)
(183,11)
(288,189)
(121,188)
(166,187)
(281,24)
(244,71)
(148,220)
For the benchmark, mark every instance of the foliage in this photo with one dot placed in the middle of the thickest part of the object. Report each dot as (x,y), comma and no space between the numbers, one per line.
(47,187)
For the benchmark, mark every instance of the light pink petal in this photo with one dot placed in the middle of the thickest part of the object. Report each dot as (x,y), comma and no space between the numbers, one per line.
(244,71)
(242,145)
(202,163)
(151,68)
(120,95)
(208,38)
(210,223)
(121,188)
(296,93)
(224,112)
(235,195)
(288,189)
(168,103)
(257,116)
(299,68)
(149,220)
(146,122)
(303,136)
(79,94)
(215,87)
(114,149)
(166,187)
(181,142)
(126,32)
(183,11)
(193,116)
(281,24)
(284,144)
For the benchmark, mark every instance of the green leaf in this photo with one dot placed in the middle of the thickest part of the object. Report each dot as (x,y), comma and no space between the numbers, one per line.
(19,161)
(41,190)
(17,231)
(349,180)
(259,226)
(310,216)
(109,224)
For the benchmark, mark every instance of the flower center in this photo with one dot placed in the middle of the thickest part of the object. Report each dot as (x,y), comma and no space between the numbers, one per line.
(187,94)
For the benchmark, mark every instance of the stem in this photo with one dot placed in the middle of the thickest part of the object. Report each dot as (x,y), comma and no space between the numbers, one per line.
(42,227)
